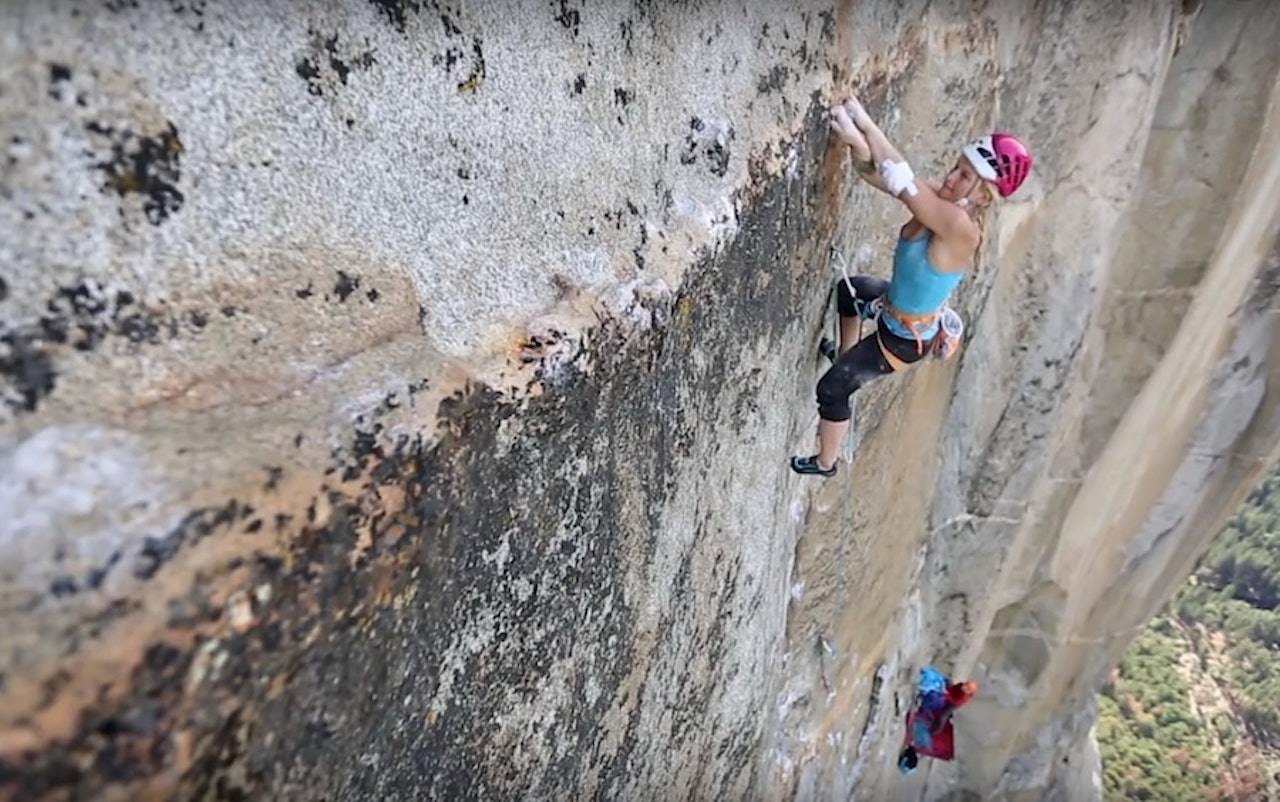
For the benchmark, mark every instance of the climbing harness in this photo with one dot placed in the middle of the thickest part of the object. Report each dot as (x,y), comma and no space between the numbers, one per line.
(945,342)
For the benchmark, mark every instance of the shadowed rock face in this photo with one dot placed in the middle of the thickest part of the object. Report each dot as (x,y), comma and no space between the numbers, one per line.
(269,537)
(471,615)
(395,397)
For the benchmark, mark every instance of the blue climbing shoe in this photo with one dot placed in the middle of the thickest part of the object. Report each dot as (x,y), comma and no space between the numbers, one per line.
(828,349)
(809,465)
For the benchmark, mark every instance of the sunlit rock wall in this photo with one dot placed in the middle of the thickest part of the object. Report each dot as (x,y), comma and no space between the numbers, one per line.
(1115,400)
(397,395)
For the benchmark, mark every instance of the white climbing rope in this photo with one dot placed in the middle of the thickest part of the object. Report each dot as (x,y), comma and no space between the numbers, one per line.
(827,657)
(854,438)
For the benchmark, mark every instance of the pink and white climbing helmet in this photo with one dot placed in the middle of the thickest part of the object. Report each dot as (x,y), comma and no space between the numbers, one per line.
(1001,159)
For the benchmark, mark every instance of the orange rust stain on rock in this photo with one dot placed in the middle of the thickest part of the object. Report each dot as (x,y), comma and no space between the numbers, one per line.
(978,36)
(877,77)
(380,503)
(832,178)
(250,387)
(841,47)
(46,705)
(54,704)
(184,746)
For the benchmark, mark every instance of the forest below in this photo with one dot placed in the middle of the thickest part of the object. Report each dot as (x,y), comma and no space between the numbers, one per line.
(1193,710)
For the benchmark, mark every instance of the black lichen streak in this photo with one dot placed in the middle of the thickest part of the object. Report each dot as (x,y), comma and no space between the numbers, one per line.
(274,474)
(713,152)
(456,53)
(775,80)
(193,6)
(396,11)
(58,73)
(476,76)
(197,525)
(80,316)
(308,71)
(344,285)
(68,585)
(627,31)
(567,15)
(85,314)
(452,55)
(27,369)
(126,744)
(340,689)
(450,25)
(149,166)
(324,53)
(622,98)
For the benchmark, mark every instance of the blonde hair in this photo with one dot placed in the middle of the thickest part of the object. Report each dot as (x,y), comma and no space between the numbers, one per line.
(980,217)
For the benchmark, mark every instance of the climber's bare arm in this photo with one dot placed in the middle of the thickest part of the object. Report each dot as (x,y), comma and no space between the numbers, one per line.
(947,220)
(866,170)
(843,129)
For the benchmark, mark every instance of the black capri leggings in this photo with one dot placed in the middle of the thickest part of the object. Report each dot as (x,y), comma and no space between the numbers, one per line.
(863,363)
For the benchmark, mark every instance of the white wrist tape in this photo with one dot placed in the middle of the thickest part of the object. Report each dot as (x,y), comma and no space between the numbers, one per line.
(899,177)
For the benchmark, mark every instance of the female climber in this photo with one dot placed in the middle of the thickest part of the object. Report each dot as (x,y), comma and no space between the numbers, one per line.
(935,248)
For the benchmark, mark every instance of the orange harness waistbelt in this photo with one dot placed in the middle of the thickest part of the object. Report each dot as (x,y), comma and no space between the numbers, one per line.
(912,323)
(943,345)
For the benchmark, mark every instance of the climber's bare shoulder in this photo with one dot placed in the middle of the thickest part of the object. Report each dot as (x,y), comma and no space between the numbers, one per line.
(951,250)
(954,253)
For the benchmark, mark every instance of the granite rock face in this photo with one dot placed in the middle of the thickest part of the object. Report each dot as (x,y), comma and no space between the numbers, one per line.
(395,397)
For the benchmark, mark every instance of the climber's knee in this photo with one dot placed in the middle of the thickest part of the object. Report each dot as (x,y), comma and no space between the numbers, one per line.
(845,302)
(834,390)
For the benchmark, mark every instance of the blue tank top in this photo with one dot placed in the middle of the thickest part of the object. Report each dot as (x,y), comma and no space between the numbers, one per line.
(917,287)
